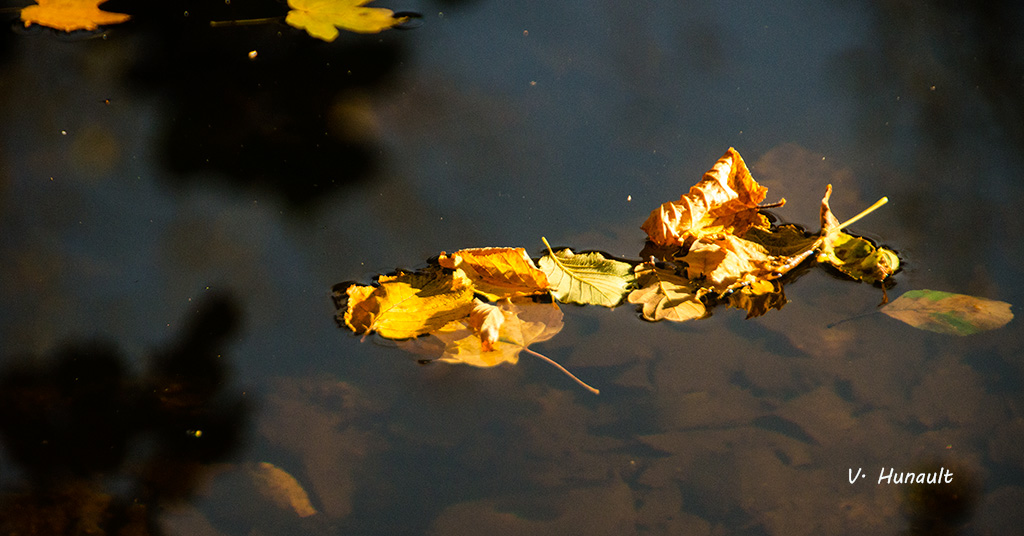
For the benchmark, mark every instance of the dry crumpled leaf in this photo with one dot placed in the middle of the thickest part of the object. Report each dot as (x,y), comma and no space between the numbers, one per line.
(724,201)
(524,323)
(665,295)
(322,18)
(498,273)
(946,312)
(70,15)
(486,321)
(408,305)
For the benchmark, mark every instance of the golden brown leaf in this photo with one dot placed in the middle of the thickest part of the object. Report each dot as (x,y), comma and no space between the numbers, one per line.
(498,273)
(408,305)
(664,295)
(724,201)
(70,15)
(728,261)
(946,312)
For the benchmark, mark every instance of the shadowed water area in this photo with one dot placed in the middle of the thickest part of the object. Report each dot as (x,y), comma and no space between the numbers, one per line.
(178,200)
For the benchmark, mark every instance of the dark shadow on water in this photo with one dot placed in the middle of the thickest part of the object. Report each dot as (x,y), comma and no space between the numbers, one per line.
(261,107)
(100,449)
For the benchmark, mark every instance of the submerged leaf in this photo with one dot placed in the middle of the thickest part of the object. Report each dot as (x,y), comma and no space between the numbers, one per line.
(524,323)
(724,201)
(322,18)
(282,488)
(586,279)
(70,15)
(945,312)
(758,297)
(665,295)
(408,305)
(498,273)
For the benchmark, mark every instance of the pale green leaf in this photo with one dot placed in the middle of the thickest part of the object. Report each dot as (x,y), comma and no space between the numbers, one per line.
(586,279)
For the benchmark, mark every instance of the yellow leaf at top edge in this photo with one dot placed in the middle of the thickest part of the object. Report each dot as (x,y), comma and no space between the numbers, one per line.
(322,18)
(70,15)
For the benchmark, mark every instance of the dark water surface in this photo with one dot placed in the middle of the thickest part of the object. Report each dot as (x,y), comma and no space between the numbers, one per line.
(174,213)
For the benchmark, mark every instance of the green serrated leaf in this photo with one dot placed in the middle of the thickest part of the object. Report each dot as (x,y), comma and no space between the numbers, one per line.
(586,279)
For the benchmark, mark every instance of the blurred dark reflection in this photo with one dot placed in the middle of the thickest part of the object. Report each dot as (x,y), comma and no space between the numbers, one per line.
(941,509)
(99,449)
(262,105)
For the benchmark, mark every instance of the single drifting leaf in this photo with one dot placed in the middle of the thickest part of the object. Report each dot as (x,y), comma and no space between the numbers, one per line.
(945,312)
(724,201)
(70,15)
(586,279)
(322,18)
(665,295)
(282,488)
(498,273)
(408,305)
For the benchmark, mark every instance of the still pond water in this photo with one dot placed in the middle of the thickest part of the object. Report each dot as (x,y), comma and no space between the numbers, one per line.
(175,209)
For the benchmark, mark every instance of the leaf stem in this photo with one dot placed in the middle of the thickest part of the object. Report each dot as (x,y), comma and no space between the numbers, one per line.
(560,367)
(863,213)
(243,22)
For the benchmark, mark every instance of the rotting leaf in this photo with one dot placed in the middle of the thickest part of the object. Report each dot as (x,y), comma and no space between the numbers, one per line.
(758,297)
(322,18)
(498,273)
(852,255)
(587,278)
(70,15)
(723,202)
(408,305)
(946,312)
(665,295)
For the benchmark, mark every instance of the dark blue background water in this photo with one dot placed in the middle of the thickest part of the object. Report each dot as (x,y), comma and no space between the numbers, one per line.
(162,191)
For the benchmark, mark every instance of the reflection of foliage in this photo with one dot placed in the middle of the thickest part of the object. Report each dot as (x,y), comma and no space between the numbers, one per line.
(74,417)
(295,120)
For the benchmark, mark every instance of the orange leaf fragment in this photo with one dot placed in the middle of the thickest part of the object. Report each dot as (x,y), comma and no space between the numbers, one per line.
(498,273)
(70,15)
(723,202)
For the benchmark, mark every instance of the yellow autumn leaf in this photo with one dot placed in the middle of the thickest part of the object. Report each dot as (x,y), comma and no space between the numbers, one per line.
(498,273)
(408,305)
(723,202)
(322,18)
(70,15)
(854,256)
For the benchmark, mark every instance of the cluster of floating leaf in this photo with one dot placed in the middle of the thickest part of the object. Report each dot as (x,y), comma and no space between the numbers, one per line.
(713,246)
(320,18)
